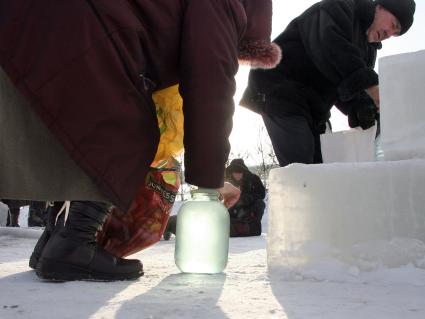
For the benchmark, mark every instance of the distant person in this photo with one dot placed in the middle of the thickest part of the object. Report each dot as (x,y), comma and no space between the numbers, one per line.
(247,212)
(328,58)
(36,212)
(14,211)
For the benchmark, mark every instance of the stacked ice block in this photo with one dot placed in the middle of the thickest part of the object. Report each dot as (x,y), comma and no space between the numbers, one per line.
(360,211)
(402,90)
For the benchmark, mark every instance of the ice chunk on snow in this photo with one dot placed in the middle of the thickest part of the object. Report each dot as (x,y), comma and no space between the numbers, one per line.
(402,94)
(366,215)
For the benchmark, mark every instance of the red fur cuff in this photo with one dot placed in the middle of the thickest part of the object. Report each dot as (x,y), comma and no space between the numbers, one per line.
(259,54)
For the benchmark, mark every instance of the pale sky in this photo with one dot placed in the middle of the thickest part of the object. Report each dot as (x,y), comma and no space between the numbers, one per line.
(246,127)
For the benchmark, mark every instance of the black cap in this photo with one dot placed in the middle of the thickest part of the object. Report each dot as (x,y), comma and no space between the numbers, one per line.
(403,10)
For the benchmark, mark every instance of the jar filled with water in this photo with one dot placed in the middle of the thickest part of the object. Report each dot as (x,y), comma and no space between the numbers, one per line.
(202,233)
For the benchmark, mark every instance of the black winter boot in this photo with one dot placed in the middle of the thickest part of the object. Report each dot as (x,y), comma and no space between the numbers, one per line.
(52,212)
(36,213)
(73,254)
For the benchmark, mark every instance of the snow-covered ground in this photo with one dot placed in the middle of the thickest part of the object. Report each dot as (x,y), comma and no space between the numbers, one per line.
(245,290)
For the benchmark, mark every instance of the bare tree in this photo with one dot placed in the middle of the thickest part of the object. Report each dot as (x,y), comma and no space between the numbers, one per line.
(265,154)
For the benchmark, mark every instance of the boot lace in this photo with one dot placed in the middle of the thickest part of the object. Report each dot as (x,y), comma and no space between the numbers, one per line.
(65,208)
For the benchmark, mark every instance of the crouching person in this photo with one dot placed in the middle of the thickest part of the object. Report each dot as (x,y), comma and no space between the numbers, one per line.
(247,212)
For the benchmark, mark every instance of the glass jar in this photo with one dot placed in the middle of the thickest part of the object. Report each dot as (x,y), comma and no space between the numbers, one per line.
(202,233)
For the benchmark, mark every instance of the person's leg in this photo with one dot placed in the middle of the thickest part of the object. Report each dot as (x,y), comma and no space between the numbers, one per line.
(72,253)
(292,139)
(35,214)
(8,219)
(13,213)
(13,220)
(239,228)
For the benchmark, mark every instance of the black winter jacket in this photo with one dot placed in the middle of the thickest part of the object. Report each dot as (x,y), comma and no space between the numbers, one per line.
(326,61)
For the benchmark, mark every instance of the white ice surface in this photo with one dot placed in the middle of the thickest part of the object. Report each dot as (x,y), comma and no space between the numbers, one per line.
(354,145)
(402,94)
(337,220)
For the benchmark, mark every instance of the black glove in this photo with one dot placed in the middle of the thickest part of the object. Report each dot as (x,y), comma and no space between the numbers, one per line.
(323,123)
(367,115)
(322,126)
(363,113)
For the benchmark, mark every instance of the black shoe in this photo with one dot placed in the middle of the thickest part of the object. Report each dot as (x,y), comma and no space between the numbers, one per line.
(167,235)
(36,213)
(73,254)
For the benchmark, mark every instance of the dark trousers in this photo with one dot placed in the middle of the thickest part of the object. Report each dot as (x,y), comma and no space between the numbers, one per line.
(37,214)
(14,210)
(293,139)
(13,217)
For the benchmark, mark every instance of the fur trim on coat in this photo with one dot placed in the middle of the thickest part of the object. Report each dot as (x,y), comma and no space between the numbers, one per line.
(255,47)
(259,54)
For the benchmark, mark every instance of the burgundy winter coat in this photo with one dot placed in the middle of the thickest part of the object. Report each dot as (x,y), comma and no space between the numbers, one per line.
(88,68)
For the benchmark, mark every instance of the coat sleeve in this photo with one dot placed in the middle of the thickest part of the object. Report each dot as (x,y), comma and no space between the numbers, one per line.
(328,37)
(208,64)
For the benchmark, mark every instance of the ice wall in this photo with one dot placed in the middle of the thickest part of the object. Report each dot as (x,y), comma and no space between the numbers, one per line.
(402,94)
(343,210)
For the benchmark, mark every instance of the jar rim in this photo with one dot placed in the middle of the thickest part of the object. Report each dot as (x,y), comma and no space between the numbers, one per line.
(207,191)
